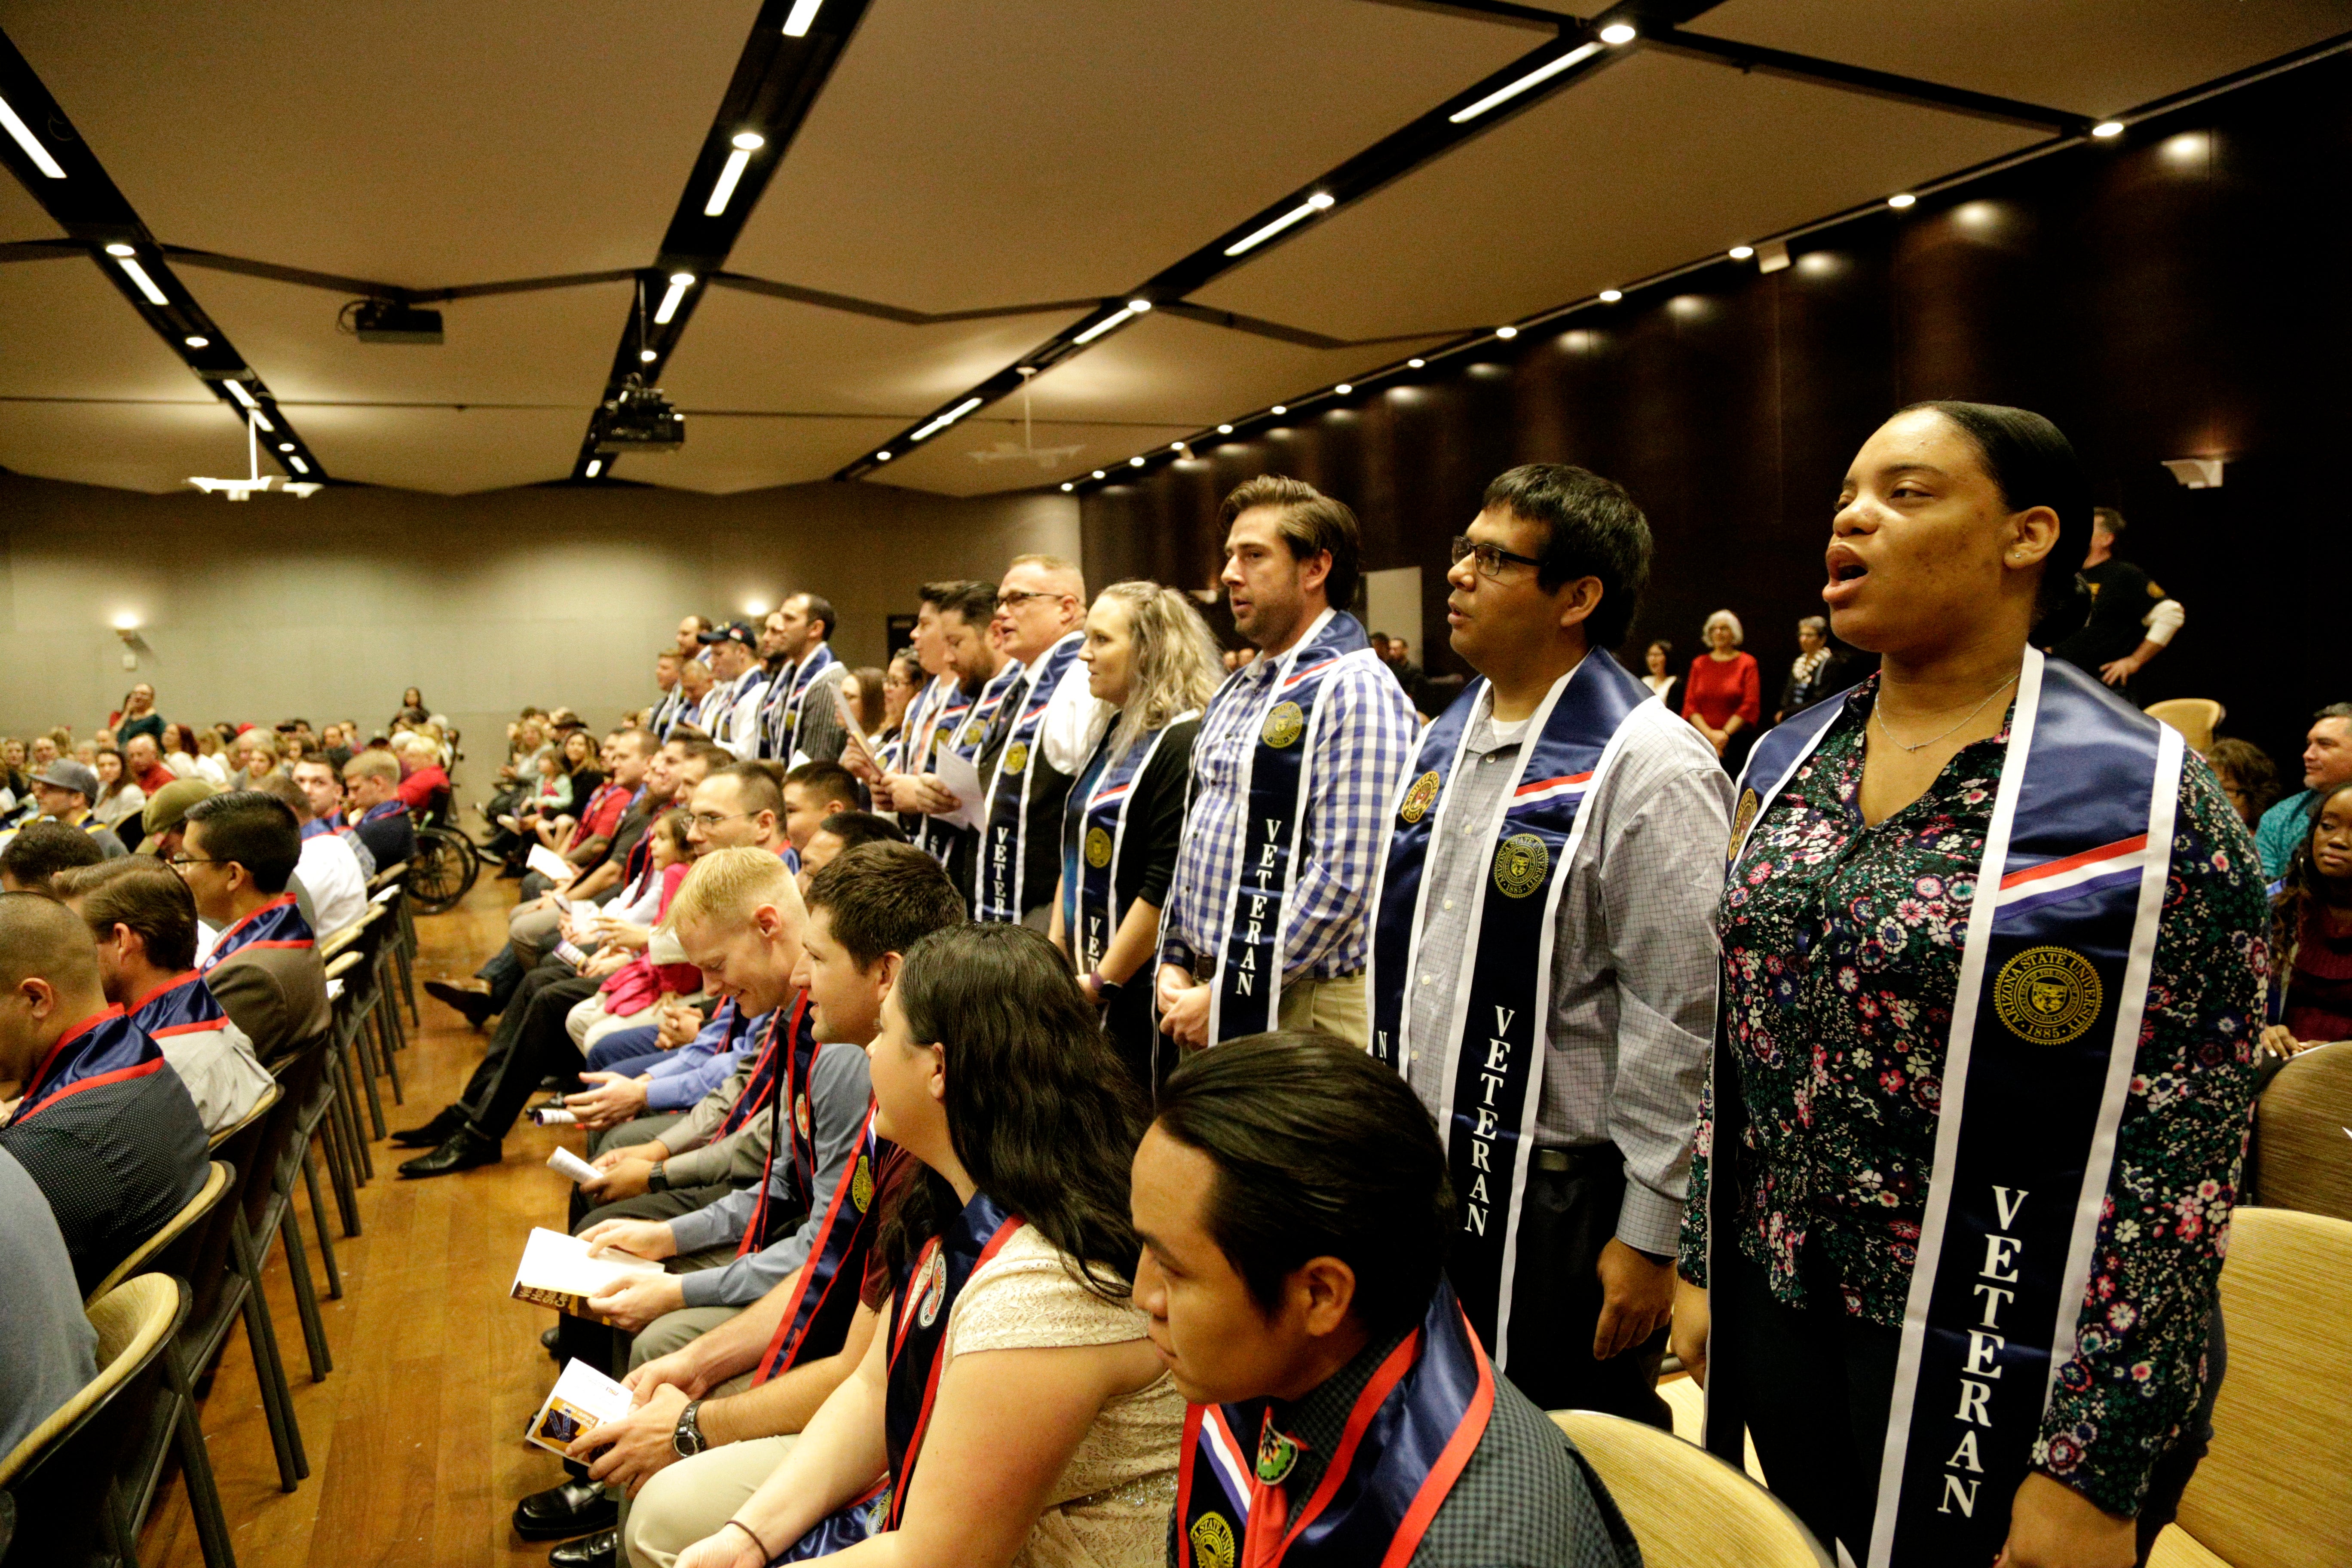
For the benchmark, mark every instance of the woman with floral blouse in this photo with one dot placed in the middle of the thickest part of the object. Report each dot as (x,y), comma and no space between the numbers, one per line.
(1993,956)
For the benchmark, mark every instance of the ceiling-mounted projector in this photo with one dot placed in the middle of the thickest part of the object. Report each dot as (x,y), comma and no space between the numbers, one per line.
(640,419)
(391,322)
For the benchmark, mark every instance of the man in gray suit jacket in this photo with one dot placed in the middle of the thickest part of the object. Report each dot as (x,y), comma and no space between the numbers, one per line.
(237,857)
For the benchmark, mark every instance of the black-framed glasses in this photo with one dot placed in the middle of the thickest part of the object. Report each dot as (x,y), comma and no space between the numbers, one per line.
(183,861)
(707,820)
(1491,558)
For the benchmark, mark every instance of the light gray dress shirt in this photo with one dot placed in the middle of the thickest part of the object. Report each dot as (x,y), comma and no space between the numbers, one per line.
(1633,952)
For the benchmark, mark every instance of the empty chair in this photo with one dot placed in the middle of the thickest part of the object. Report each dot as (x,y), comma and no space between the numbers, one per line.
(2302,1158)
(2195,717)
(1688,1509)
(2271,1492)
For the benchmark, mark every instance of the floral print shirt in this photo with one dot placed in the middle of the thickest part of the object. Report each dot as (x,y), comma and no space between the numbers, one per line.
(1842,958)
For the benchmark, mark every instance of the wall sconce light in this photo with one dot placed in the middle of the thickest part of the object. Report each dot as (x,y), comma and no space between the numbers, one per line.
(126,626)
(2196,473)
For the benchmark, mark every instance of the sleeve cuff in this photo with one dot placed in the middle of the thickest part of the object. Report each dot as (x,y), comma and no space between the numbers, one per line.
(1649,1222)
(704,1228)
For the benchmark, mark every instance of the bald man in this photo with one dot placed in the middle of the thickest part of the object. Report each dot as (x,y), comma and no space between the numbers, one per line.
(104,1127)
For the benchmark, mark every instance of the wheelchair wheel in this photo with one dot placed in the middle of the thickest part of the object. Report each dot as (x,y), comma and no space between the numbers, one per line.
(444,870)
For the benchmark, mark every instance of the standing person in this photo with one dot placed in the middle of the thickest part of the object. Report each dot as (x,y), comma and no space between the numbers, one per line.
(985,676)
(412,709)
(1725,694)
(1014,1374)
(1039,739)
(2311,934)
(732,710)
(802,720)
(1813,674)
(1295,1214)
(1295,764)
(909,756)
(1659,678)
(1991,982)
(1556,852)
(2326,762)
(700,701)
(138,717)
(1152,658)
(901,685)
(2122,619)
(662,716)
(863,689)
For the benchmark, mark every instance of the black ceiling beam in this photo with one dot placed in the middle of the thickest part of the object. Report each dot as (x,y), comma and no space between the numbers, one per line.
(1393,156)
(1862,80)
(82,199)
(777,79)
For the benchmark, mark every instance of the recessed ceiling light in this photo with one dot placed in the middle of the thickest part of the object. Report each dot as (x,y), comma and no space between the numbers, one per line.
(680,282)
(1135,462)
(1415,364)
(299,466)
(2106,128)
(881,457)
(798,19)
(1343,389)
(1175,445)
(1320,201)
(595,466)
(1900,200)
(1619,33)
(285,446)
(1535,77)
(1139,306)
(1066,486)
(1224,429)
(23,134)
(120,250)
(196,340)
(646,356)
(1610,296)
(1507,334)
(1099,473)
(1281,408)
(1742,252)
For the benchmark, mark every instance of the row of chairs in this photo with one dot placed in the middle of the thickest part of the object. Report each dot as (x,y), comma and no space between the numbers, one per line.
(80,1487)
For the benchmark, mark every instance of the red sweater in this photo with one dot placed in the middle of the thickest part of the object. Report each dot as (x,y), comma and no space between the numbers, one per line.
(1719,688)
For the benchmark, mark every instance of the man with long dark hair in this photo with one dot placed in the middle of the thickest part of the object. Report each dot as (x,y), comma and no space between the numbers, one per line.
(1294,1209)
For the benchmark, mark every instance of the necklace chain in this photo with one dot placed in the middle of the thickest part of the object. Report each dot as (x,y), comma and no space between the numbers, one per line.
(1878,712)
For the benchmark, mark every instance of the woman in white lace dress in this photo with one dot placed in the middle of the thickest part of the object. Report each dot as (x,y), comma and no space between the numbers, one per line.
(1011,1411)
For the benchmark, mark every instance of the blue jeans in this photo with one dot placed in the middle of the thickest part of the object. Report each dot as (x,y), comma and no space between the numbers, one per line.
(628,1051)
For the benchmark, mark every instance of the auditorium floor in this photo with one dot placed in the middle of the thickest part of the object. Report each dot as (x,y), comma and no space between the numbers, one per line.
(414,1438)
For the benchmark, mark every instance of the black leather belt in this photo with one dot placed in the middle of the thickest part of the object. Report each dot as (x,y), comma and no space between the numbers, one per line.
(1578,1160)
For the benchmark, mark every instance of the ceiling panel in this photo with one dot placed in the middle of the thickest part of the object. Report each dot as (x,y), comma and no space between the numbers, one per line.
(2092,60)
(67,332)
(1649,164)
(1165,369)
(21,218)
(988,453)
(751,352)
(725,454)
(550,346)
(436,141)
(441,449)
(968,155)
(151,446)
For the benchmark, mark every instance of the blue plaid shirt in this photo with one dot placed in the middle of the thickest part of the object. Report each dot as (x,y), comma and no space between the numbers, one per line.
(1364,740)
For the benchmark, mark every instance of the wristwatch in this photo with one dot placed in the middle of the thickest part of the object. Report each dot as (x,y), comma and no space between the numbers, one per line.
(658,1179)
(687,1437)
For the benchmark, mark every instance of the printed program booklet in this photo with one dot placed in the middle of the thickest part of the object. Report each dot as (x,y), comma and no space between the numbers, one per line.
(556,1271)
(582,1400)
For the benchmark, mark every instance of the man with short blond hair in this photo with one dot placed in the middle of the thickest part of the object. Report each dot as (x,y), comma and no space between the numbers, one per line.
(371,779)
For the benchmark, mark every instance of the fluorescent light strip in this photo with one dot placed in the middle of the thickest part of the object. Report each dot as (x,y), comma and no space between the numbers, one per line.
(138,274)
(801,17)
(24,138)
(1536,78)
(299,466)
(1320,201)
(680,282)
(724,191)
(237,389)
(944,420)
(263,420)
(1106,324)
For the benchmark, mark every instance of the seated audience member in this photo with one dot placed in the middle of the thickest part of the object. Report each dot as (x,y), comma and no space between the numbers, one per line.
(322,785)
(51,1344)
(2326,762)
(372,780)
(142,757)
(1014,1237)
(255,753)
(144,922)
(1294,1209)
(845,830)
(38,852)
(104,1127)
(239,854)
(812,792)
(66,791)
(2311,934)
(2248,778)
(118,795)
(326,869)
(423,783)
(165,819)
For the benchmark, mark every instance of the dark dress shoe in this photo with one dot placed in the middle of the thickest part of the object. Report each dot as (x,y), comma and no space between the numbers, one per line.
(551,1341)
(563,1512)
(433,1133)
(464,1150)
(477,1005)
(602,1550)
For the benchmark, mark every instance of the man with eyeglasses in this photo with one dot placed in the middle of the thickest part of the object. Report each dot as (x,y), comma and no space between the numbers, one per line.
(1544,958)
(239,854)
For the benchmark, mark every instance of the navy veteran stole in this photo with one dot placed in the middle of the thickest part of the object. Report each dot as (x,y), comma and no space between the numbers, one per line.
(816,1318)
(1000,892)
(918,1329)
(1245,991)
(105,1048)
(277,923)
(1495,1037)
(782,716)
(1094,830)
(2053,982)
(1406,1440)
(789,1053)
(962,725)
(182,1009)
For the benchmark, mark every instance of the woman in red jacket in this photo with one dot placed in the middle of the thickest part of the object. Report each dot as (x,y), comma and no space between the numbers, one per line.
(1725,694)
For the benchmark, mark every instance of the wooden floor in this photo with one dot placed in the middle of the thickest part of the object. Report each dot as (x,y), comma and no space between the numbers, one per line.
(414,1438)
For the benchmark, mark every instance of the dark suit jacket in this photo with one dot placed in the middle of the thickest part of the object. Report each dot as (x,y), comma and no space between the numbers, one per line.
(278,996)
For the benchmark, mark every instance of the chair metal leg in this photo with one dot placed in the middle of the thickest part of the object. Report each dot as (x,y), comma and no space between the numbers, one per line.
(269,1370)
(359,1163)
(387,1023)
(342,1155)
(306,1294)
(196,1471)
(319,1219)
(368,1069)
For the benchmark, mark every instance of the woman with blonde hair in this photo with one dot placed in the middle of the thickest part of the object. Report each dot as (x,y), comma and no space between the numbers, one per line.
(1149,653)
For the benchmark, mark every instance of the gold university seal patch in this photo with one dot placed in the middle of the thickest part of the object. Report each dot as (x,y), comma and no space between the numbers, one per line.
(861,1184)
(1740,823)
(1420,797)
(1016,756)
(1097,848)
(1521,862)
(1283,725)
(2048,995)
(1213,1540)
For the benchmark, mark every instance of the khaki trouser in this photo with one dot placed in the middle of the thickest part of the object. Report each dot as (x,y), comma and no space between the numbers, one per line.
(695,1497)
(1333,1006)
(533,933)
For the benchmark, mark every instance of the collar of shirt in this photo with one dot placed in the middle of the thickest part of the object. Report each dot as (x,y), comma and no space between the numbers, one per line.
(1317,1421)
